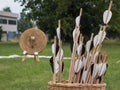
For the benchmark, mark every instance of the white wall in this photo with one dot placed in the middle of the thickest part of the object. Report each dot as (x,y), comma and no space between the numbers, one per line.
(4,37)
(9,27)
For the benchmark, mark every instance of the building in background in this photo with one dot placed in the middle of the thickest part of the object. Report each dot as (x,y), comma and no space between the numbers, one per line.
(8,21)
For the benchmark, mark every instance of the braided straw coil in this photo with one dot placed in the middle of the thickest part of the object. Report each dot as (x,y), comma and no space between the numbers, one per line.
(33,40)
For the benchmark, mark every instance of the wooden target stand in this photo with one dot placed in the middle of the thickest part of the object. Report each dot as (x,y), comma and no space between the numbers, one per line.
(32,41)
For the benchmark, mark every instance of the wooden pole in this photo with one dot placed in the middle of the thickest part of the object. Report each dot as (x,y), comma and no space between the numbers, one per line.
(54,61)
(60,48)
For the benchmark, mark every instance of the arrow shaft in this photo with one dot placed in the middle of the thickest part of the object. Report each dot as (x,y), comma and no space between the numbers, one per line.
(60,62)
(54,60)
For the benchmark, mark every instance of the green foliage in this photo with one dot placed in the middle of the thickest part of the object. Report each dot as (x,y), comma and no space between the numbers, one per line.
(7,9)
(115,21)
(1,32)
(23,23)
(47,13)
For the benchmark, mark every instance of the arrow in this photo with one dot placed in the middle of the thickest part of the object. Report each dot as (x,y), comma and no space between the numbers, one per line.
(78,18)
(59,56)
(107,14)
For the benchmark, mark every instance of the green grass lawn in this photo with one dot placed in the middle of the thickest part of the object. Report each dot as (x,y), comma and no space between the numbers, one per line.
(31,75)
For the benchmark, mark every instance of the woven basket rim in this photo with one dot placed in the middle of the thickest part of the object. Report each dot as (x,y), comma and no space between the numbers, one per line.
(63,84)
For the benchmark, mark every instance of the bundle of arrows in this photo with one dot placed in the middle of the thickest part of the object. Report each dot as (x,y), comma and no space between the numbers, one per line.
(56,60)
(88,64)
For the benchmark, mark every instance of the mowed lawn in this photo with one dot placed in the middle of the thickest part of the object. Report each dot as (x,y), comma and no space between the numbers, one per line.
(31,75)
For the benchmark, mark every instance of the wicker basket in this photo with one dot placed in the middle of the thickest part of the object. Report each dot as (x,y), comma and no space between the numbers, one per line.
(64,85)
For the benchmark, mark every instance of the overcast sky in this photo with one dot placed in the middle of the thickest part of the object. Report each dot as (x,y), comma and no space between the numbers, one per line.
(14,6)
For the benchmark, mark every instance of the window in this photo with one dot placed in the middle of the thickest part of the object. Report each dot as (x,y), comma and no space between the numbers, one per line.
(12,22)
(3,21)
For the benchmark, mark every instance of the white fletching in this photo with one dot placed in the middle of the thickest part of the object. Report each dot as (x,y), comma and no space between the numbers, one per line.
(78,33)
(103,69)
(95,70)
(53,48)
(84,76)
(56,67)
(95,56)
(107,16)
(78,65)
(75,32)
(59,55)
(58,32)
(79,48)
(77,20)
(84,61)
(88,45)
(95,41)
(100,66)
(101,36)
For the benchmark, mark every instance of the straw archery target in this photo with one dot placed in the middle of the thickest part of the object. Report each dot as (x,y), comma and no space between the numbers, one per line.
(33,40)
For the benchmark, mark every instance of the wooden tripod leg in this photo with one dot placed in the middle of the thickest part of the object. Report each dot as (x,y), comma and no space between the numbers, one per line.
(36,57)
(24,57)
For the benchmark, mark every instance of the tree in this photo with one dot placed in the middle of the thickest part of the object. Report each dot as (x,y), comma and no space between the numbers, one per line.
(47,12)
(23,23)
(1,32)
(114,29)
(7,9)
